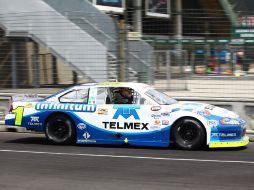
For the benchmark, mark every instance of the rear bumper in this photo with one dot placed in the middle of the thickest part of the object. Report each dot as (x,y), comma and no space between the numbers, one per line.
(223,144)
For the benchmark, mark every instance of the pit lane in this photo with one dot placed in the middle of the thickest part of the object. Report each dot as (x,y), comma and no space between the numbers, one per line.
(28,161)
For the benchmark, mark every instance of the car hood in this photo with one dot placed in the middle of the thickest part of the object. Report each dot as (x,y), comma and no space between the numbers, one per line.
(206,109)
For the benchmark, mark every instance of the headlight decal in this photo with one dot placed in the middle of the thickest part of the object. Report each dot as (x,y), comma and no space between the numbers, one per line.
(229,121)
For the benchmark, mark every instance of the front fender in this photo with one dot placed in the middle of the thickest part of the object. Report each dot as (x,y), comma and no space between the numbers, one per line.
(203,120)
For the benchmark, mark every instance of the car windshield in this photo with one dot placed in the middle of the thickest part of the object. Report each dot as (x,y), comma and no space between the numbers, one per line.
(160,97)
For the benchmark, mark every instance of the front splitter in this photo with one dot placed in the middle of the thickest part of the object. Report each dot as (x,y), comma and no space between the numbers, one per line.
(228,144)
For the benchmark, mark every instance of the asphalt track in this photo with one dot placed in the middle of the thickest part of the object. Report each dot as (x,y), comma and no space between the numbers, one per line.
(28,161)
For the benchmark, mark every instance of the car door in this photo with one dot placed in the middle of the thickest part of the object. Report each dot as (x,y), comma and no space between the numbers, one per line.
(90,129)
(116,123)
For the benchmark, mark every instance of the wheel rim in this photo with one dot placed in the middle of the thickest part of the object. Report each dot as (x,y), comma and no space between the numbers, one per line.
(58,130)
(188,133)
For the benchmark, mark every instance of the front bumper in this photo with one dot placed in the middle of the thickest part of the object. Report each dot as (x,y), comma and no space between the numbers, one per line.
(223,144)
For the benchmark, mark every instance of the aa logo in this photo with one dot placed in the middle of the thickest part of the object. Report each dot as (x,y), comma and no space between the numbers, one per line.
(126,112)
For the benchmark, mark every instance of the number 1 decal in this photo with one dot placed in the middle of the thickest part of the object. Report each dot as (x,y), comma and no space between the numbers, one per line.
(19,115)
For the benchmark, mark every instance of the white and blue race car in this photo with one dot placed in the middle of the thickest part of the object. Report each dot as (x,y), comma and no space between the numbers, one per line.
(127,113)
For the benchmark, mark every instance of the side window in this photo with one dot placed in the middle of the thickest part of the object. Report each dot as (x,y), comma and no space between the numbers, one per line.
(75,96)
(124,95)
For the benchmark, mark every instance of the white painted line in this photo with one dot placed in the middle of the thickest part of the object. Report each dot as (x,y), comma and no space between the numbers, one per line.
(131,157)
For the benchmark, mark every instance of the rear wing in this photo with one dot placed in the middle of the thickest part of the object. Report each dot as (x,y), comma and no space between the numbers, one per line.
(26,98)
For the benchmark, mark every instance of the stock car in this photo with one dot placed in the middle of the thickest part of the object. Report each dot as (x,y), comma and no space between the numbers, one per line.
(126,113)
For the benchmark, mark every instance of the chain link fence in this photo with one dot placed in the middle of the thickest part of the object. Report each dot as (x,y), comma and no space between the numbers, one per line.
(57,47)
(47,49)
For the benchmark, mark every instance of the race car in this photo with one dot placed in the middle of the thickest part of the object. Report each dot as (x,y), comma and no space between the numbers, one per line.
(127,113)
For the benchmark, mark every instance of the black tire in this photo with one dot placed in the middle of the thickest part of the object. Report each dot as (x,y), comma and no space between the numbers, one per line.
(189,134)
(59,129)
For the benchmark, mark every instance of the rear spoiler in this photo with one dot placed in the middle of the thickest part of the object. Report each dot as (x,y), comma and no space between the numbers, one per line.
(25,98)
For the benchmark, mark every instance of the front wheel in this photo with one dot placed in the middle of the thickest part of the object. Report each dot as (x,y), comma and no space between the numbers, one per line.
(189,134)
(59,129)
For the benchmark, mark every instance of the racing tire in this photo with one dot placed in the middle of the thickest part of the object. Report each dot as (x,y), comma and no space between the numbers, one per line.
(60,130)
(189,134)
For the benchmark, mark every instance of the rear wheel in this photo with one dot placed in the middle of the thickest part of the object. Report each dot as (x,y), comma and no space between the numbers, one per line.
(189,134)
(60,130)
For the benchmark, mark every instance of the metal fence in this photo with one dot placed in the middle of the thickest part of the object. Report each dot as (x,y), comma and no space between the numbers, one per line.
(57,48)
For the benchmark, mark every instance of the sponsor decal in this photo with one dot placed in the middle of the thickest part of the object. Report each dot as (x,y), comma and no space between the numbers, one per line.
(175,109)
(92,94)
(126,140)
(91,101)
(126,112)
(81,126)
(65,106)
(229,121)
(204,113)
(156,116)
(155,108)
(157,122)
(165,114)
(102,111)
(35,120)
(224,134)
(212,123)
(165,122)
(86,135)
(126,125)
(85,141)
(155,127)
(188,109)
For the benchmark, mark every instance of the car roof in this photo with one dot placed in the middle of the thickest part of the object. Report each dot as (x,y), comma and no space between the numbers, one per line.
(117,84)
(139,87)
